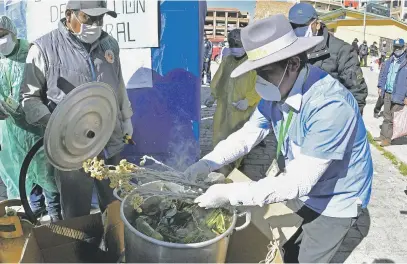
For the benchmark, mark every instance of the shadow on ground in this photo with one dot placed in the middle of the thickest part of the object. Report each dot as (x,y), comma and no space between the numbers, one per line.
(383,260)
(399,141)
(355,235)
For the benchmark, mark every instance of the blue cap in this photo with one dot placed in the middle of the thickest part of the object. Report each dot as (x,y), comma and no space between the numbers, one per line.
(398,42)
(302,13)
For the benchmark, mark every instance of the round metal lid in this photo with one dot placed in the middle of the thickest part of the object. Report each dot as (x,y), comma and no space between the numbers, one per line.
(80,126)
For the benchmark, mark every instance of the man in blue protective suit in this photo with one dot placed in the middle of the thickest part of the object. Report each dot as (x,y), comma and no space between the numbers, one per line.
(320,133)
(75,53)
(393,89)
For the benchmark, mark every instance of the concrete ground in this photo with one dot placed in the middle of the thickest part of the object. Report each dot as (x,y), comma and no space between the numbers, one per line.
(399,146)
(380,234)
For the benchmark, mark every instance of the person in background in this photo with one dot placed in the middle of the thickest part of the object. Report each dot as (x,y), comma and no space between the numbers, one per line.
(77,52)
(225,50)
(363,52)
(206,70)
(328,177)
(333,55)
(383,54)
(393,89)
(380,100)
(16,136)
(355,45)
(374,50)
(236,98)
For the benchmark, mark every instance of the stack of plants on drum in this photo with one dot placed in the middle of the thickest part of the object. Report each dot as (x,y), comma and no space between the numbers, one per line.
(165,214)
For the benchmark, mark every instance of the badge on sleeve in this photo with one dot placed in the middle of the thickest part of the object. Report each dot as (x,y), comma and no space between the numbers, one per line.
(109,56)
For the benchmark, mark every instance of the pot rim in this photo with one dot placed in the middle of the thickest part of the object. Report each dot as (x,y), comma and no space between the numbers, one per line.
(117,189)
(176,245)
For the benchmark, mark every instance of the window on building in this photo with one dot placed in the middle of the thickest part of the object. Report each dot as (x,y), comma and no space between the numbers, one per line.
(220,32)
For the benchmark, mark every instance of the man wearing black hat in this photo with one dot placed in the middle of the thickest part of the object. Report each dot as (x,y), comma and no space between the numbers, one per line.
(333,55)
(75,53)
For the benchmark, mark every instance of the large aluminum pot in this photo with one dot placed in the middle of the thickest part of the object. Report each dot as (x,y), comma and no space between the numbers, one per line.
(141,248)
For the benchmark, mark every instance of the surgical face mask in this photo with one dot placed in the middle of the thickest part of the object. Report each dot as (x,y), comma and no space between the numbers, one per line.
(269,91)
(7,45)
(398,53)
(305,31)
(237,52)
(88,33)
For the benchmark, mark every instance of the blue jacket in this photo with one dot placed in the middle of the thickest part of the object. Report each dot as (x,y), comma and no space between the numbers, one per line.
(400,87)
(208,49)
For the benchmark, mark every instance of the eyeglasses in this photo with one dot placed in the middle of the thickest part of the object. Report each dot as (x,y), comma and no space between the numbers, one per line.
(88,20)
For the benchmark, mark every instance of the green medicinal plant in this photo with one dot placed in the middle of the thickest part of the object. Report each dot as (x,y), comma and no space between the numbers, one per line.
(178,220)
(163,214)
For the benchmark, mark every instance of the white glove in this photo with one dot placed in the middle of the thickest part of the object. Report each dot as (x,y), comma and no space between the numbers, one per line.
(241,105)
(215,177)
(128,127)
(220,195)
(210,101)
(3,112)
(199,169)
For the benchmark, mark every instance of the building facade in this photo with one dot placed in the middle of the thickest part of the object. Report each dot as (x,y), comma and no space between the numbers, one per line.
(348,24)
(389,8)
(220,21)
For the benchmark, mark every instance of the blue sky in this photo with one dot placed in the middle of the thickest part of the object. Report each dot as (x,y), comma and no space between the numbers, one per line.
(241,5)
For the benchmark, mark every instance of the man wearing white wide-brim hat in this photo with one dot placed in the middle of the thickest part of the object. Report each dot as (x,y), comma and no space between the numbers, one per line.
(320,133)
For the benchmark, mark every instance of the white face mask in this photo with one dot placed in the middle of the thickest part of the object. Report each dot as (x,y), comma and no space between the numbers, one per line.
(7,45)
(269,91)
(398,53)
(88,33)
(305,31)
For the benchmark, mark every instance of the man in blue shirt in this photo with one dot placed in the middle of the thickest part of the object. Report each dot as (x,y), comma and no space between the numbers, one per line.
(320,133)
(393,88)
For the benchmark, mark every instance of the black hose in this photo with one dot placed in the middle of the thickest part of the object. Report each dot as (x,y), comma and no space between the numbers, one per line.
(23,175)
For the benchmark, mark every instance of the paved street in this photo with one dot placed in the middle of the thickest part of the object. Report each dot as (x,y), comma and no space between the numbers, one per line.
(399,147)
(380,235)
